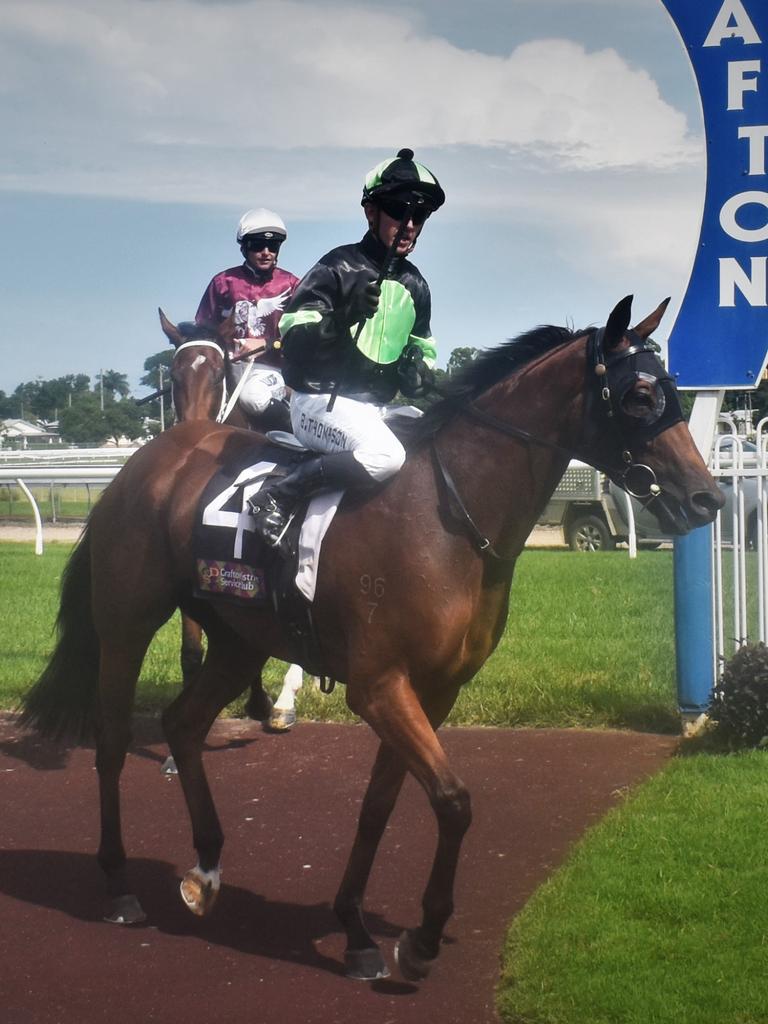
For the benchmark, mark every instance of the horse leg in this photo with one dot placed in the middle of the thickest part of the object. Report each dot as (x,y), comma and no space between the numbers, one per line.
(258,707)
(283,715)
(119,668)
(186,724)
(363,959)
(191,648)
(393,710)
(191,659)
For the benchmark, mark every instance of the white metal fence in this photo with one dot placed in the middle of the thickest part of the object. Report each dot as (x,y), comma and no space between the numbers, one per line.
(739,552)
(740,547)
(84,467)
(66,457)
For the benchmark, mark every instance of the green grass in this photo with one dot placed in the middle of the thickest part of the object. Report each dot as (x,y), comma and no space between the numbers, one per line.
(660,915)
(29,601)
(589,642)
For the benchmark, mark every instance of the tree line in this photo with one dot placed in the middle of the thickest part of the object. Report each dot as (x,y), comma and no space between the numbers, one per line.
(86,411)
(90,412)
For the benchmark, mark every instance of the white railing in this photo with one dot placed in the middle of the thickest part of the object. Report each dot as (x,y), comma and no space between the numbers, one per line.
(84,474)
(66,456)
(740,547)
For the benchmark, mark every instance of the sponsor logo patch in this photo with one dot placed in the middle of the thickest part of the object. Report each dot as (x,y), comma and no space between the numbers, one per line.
(235,579)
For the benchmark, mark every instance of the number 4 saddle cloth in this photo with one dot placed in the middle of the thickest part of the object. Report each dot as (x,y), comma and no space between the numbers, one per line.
(231,561)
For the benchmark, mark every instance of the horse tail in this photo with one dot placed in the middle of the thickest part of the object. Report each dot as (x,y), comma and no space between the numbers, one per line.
(61,702)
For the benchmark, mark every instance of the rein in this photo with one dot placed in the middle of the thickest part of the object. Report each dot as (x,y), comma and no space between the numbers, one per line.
(636,478)
(225,411)
(482,543)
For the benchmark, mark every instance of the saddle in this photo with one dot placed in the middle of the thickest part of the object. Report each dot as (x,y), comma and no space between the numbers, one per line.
(232,564)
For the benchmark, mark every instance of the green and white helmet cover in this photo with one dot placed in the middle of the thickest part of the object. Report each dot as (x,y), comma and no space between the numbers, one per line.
(401,175)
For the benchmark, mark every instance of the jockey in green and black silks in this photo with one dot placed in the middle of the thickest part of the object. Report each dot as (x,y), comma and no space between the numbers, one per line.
(357,331)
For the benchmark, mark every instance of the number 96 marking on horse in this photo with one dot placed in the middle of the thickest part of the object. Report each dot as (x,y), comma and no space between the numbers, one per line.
(372,586)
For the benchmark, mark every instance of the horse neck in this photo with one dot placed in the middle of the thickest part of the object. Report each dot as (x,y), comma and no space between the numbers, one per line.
(505,481)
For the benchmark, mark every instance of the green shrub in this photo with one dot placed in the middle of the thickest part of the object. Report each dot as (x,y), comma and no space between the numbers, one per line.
(739,706)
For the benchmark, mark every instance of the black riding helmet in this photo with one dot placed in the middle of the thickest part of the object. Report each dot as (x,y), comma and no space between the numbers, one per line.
(402,178)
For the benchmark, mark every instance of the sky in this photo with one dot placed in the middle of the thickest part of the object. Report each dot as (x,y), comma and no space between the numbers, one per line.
(567,135)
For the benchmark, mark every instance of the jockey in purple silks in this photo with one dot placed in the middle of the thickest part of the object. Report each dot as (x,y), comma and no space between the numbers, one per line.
(257,293)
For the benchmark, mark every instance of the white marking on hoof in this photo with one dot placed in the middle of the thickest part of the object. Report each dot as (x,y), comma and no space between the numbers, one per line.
(199,889)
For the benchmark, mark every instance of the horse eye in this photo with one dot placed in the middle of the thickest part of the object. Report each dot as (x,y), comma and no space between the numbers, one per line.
(640,400)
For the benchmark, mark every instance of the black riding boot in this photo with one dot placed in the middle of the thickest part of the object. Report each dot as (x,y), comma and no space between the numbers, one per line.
(272,506)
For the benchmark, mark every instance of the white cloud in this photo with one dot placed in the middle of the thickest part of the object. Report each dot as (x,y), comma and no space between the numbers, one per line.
(171,99)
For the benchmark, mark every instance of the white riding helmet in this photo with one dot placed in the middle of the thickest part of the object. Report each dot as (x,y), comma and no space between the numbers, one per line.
(260,222)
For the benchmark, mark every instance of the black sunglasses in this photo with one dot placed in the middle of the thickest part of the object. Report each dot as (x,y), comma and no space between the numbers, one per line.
(255,243)
(396,209)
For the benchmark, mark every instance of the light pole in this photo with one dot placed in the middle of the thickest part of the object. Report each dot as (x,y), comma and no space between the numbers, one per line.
(162,399)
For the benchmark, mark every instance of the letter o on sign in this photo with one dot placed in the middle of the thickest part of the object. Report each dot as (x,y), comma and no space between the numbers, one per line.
(731,226)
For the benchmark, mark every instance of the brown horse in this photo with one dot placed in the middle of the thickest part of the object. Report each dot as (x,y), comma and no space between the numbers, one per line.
(201,389)
(412,590)
(199,392)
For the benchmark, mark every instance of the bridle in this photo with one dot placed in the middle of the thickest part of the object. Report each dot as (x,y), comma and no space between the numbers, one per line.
(224,409)
(615,374)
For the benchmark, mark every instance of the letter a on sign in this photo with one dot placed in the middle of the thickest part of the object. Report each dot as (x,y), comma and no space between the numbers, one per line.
(720,337)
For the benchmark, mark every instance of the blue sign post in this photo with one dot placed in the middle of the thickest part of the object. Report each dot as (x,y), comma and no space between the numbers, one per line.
(726,302)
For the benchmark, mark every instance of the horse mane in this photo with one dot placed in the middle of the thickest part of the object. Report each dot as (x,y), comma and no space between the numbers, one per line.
(490,367)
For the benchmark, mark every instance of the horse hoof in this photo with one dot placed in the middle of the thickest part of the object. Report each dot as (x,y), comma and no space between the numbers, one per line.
(412,966)
(199,890)
(169,766)
(125,910)
(280,721)
(365,964)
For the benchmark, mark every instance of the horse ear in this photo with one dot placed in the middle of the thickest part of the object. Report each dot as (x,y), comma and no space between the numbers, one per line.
(169,330)
(225,332)
(646,327)
(618,322)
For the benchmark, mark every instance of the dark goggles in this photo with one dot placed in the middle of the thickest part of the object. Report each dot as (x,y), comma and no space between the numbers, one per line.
(666,411)
(397,208)
(622,370)
(255,243)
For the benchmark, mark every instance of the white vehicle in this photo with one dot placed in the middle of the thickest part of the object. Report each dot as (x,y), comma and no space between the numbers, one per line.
(594,516)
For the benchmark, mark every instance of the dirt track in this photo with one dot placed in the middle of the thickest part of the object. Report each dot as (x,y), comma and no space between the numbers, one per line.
(271,950)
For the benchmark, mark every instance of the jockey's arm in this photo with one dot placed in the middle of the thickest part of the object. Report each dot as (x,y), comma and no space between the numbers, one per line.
(311,327)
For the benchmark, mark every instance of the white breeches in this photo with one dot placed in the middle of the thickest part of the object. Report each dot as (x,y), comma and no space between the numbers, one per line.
(351,426)
(263,384)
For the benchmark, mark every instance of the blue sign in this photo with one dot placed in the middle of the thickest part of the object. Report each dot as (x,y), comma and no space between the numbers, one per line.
(720,337)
